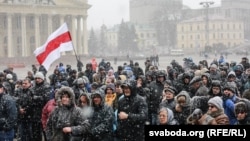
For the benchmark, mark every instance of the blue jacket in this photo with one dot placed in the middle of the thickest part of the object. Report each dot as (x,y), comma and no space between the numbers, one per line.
(228,105)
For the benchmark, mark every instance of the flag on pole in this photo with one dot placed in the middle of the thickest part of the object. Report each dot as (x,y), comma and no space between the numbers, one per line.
(59,41)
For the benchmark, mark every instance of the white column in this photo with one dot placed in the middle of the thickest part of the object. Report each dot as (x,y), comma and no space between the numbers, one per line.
(79,42)
(61,22)
(85,36)
(37,31)
(10,48)
(73,34)
(24,40)
(49,24)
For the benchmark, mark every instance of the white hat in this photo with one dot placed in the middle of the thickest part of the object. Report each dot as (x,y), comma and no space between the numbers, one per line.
(216,101)
(9,76)
(39,75)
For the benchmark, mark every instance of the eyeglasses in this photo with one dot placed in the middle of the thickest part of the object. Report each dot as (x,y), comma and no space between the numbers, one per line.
(211,106)
(240,112)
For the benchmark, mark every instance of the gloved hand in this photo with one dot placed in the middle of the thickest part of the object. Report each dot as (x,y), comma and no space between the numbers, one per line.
(206,120)
(37,97)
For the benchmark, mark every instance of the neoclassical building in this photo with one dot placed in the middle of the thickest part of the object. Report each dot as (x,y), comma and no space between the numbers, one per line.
(26,24)
(192,33)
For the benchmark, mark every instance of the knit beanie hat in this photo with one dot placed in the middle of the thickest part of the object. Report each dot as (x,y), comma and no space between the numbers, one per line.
(39,75)
(216,101)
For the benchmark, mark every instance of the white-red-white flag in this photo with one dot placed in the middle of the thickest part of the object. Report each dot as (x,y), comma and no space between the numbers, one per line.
(59,41)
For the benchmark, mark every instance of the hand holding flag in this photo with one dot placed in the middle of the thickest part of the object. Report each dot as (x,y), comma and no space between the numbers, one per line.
(59,41)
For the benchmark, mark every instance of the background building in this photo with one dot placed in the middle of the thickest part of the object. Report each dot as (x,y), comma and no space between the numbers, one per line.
(191,34)
(29,23)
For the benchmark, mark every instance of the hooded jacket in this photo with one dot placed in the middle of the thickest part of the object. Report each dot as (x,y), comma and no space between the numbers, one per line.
(101,120)
(8,112)
(135,106)
(66,116)
(185,109)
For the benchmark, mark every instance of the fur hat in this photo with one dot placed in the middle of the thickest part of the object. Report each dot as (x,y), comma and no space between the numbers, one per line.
(39,75)
(171,89)
(240,107)
(195,79)
(230,86)
(216,101)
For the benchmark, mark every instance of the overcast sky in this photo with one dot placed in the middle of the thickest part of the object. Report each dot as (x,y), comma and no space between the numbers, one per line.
(111,12)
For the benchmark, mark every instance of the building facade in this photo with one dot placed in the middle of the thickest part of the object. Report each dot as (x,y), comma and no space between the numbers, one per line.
(29,23)
(191,34)
(145,37)
(232,9)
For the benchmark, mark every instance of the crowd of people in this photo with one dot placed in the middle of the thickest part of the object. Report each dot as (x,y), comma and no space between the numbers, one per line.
(102,103)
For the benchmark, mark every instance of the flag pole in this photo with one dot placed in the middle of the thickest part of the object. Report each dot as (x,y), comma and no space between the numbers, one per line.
(73,47)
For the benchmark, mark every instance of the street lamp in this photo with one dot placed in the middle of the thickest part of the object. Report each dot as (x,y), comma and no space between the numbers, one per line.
(207,5)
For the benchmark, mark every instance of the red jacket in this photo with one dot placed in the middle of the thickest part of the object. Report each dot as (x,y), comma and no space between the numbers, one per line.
(47,109)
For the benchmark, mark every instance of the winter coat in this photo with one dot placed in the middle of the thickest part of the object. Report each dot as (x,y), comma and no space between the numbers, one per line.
(214,118)
(168,104)
(40,98)
(47,109)
(199,102)
(155,97)
(136,107)
(8,112)
(228,105)
(66,116)
(181,116)
(87,110)
(24,101)
(101,121)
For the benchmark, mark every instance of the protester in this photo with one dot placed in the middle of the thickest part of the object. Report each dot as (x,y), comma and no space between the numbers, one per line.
(132,114)
(66,122)
(8,115)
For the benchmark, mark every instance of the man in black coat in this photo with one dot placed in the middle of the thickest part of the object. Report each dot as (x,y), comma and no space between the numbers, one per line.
(132,114)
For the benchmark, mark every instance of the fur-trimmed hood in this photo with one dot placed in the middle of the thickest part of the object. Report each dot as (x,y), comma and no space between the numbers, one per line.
(188,98)
(62,91)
